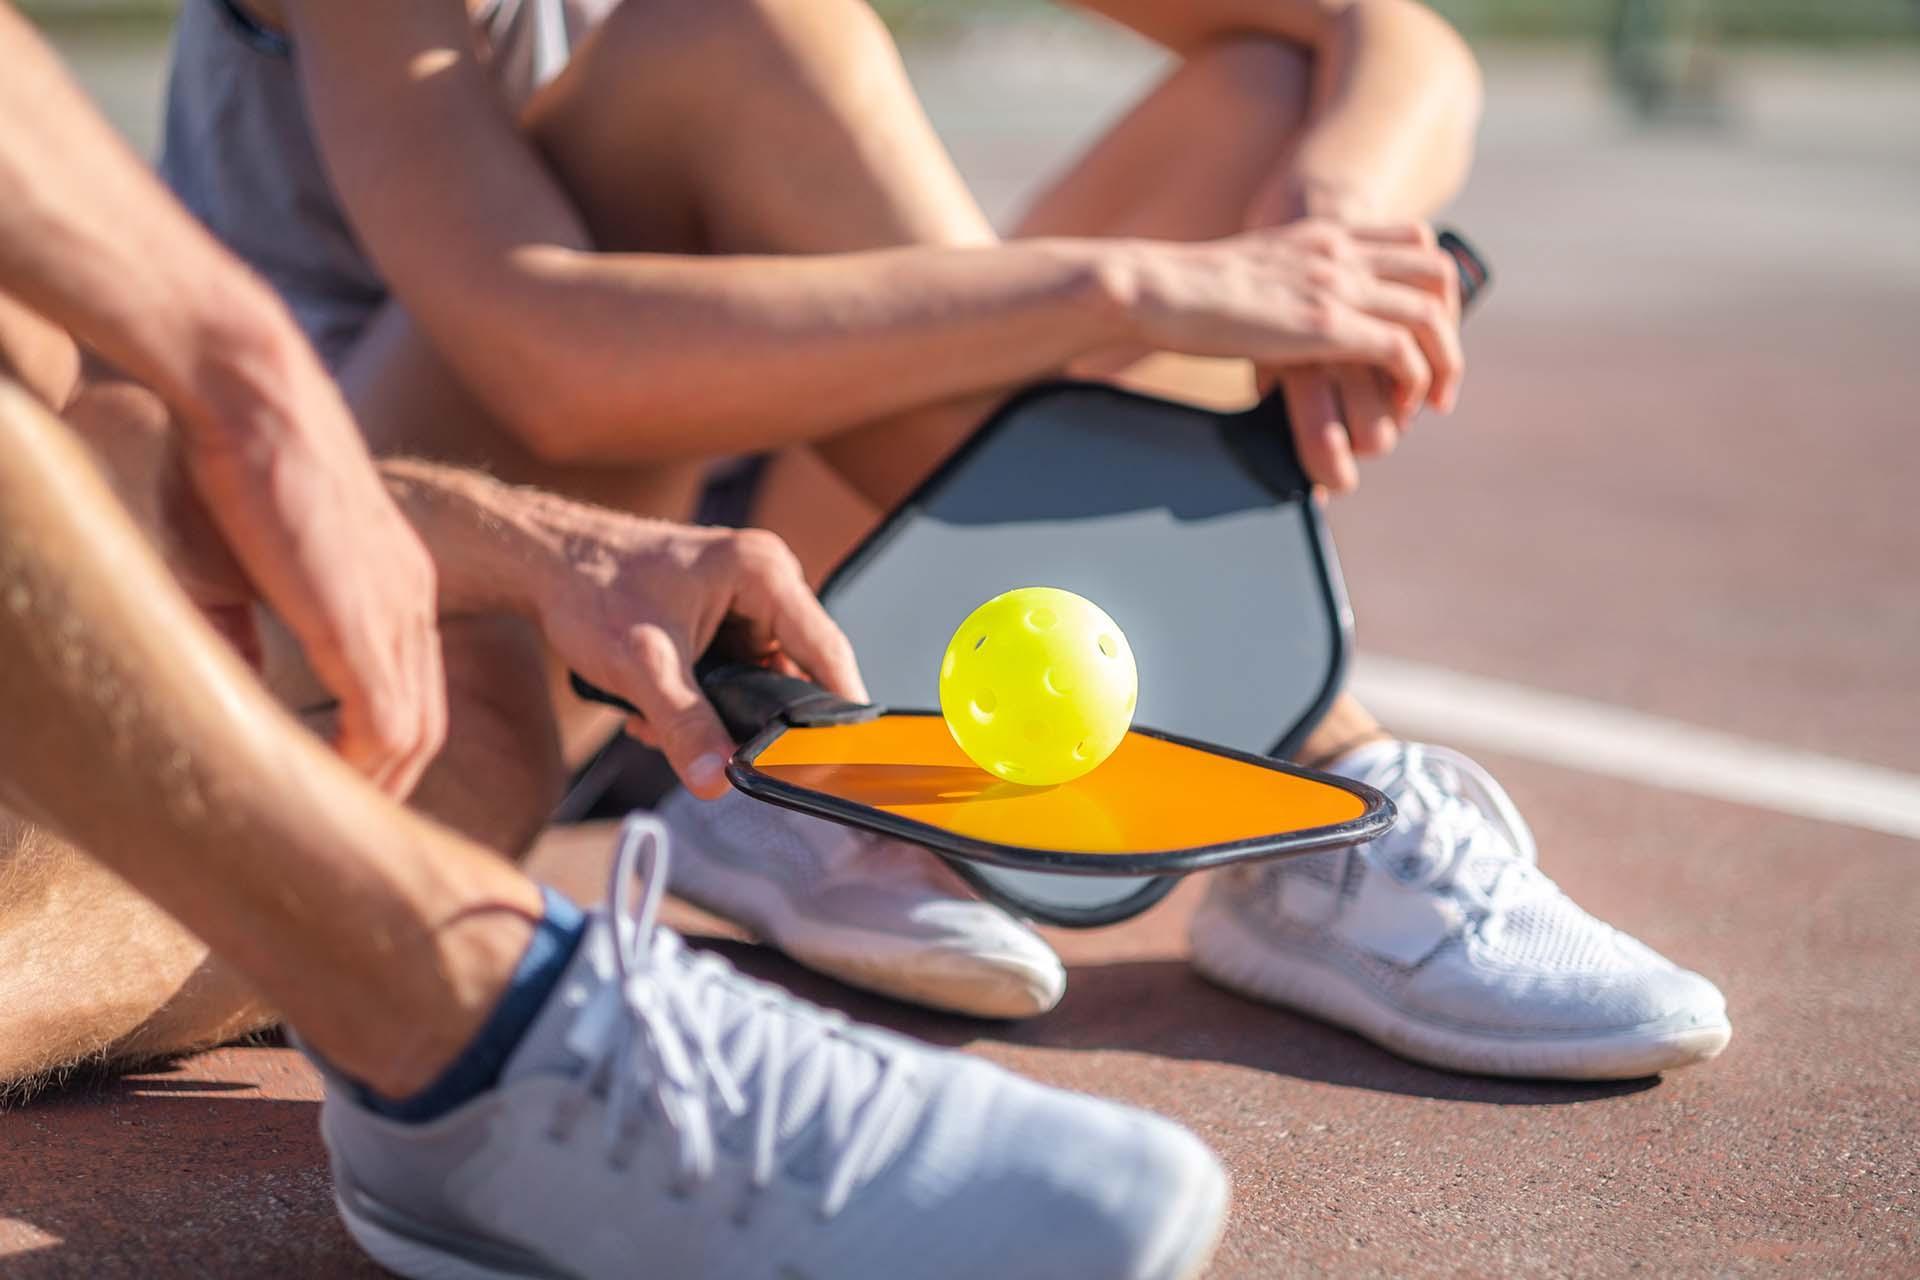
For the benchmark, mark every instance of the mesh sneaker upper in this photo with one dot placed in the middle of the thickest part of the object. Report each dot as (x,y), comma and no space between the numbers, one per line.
(1447,918)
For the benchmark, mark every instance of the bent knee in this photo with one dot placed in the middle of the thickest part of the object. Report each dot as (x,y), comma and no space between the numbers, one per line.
(755,42)
(1252,73)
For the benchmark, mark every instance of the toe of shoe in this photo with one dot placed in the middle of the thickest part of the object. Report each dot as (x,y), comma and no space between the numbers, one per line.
(956,954)
(1106,1189)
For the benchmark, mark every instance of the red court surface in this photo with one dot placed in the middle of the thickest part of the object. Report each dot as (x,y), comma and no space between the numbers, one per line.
(1677,485)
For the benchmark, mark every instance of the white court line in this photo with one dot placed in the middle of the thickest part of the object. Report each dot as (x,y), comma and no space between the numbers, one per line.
(1596,738)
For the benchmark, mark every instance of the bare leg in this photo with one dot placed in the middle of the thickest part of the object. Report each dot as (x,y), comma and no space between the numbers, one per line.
(92,970)
(387,939)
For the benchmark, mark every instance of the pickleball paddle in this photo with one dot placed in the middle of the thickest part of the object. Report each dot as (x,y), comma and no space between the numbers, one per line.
(1160,805)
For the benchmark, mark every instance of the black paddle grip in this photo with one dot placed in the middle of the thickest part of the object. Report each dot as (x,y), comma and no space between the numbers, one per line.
(748,698)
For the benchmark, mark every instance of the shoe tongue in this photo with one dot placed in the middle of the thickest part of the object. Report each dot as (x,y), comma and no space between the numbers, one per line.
(1415,846)
(1365,760)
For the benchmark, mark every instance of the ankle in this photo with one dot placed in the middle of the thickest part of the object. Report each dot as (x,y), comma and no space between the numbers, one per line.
(1346,727)
(430,1000)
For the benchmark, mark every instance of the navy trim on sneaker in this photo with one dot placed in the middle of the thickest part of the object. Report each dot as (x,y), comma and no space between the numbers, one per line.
(479,1065)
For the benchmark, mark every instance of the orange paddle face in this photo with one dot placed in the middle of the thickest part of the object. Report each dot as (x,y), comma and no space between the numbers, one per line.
(1157,803)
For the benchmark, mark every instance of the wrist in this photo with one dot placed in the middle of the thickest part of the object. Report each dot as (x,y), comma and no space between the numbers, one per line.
(1119,274)
(1304,194)
(245,372)
(491,554)
(1103,284)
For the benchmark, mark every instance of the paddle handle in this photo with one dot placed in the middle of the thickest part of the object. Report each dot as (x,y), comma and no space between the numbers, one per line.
(748,698)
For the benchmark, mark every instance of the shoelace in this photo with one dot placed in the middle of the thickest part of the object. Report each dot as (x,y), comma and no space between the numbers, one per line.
(1465,817)
(652,1044)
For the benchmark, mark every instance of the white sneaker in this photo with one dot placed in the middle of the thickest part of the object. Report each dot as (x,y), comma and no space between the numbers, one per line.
(666,1117)
(871,911)
(1445,943)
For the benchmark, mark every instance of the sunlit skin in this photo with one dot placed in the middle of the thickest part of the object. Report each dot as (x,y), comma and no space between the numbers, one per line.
(717,186)
(1361,114)
(234,867)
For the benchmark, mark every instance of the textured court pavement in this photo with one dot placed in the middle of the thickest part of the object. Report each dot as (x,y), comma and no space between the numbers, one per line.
(1677,485)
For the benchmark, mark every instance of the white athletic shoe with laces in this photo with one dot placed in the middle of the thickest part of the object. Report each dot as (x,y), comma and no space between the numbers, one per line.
(871,911)
(1444,942)
(666,1117)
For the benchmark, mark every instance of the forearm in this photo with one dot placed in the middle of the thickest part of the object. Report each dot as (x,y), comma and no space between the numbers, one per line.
(609,357)
(489,543)
(1396,100)
(90,240)
(625,357)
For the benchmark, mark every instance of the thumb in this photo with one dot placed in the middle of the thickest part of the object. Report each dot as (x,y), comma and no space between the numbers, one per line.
(682,722)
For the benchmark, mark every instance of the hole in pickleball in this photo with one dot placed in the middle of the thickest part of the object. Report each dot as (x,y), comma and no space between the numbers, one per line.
(983,706)
(1132,698)
(1109,646)
(1080,749)
(1008,769)
(982,640)
(1055,682)
(946,667)
(1042,619)
(1035,731)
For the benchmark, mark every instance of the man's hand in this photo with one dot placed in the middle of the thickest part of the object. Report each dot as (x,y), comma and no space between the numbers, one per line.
(290,487)
(133,440)
(103,252)
(638,601)
(629,603)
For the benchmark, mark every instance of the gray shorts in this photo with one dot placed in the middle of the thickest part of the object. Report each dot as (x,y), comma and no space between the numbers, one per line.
(239,152)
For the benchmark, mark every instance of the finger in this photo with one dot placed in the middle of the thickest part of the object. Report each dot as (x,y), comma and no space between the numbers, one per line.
(682,721)
(426,695)
(430,662)
(1430,271)
(776,599)
(1318,432)
(1432,326)
(1403,233)
(1391,349)
(1363,401)
(369,726)
(816,642)
(642,732)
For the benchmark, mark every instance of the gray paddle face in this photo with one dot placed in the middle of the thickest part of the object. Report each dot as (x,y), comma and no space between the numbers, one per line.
(1224,585)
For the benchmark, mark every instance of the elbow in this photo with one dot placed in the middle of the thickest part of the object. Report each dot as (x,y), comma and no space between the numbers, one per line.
(547,416)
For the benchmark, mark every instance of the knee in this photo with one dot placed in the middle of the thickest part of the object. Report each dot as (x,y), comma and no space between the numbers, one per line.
(753,45)
(1248,74)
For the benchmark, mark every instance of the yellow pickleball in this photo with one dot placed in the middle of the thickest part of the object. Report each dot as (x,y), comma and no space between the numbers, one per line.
(1038,686)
